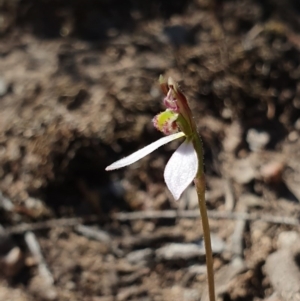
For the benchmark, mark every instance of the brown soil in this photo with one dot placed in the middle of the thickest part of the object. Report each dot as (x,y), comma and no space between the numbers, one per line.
(78,90)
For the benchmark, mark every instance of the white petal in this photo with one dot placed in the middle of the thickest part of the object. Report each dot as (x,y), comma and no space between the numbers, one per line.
(181,169)
(144,151)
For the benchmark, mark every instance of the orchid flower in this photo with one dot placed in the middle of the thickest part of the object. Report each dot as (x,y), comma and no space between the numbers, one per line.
(175,122)
(185,165)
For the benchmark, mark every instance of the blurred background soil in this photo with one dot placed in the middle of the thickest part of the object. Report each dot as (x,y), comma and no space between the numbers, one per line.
(78,90)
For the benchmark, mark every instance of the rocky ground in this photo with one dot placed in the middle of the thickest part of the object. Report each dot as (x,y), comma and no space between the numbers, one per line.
(78,90)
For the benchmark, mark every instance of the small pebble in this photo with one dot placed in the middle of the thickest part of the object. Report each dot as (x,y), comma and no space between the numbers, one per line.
(287,239)
(197,269)
(217,244)
(243,171)
(140,257)
(293,136)
(257,140)
(272,172)
(12,262)
(297,124)
(177,251)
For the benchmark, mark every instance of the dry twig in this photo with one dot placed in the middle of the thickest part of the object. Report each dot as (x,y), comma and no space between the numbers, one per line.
(168,214)
(165,214)
(34,247)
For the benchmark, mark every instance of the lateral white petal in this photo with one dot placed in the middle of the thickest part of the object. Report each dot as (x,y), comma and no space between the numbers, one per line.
(144,151)
(181,169)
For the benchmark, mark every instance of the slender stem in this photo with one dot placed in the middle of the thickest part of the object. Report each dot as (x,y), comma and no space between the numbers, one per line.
(200,187)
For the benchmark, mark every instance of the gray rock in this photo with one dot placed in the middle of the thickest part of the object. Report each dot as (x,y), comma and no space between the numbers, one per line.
(140,257)
(257,140)
(217,244)
(288,239)
(190,294)
(243,171)
(197,269)
(177,251)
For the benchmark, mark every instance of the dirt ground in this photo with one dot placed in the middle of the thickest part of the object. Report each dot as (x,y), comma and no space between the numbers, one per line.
(78,90)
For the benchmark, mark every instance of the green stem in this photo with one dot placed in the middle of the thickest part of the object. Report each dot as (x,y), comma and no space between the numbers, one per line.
(200,187)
